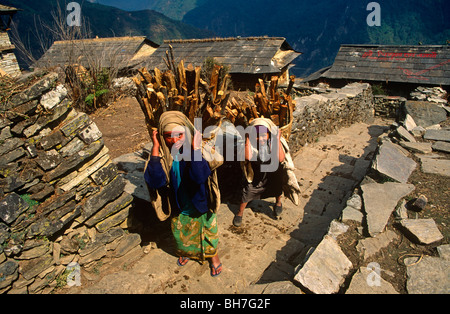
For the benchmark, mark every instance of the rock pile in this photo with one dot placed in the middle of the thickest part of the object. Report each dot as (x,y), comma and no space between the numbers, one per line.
(61,198)
(432,94)
(380,198)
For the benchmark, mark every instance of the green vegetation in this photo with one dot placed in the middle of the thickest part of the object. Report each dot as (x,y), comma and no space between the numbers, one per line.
(379,89)
(31,203)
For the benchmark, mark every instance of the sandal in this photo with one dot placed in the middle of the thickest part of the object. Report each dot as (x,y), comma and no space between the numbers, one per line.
(182,261)
(277,210)
(237,221)
(216,270)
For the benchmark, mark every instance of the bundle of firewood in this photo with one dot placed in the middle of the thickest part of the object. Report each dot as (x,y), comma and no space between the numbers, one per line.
(276,104)
(183,89)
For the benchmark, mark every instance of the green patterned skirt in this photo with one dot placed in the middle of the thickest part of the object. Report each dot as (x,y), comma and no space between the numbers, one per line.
(196,237)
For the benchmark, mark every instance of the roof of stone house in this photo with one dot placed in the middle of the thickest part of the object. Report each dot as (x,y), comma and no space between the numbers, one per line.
(423,64)
(251,55)
(104,52)
(7,9)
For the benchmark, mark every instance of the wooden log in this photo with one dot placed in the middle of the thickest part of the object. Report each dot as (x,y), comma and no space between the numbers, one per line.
(190,79)
(224,86)
(215,81)
(254,112)
(172,59)
(223,104)
(262,87)
(181,76)
(161,101)
(158,79)
(262,104)
(185,97)
(273,87)
(169,79)
(275,119)
(197,81)
(167,60)
(153,100)
(193,107)
(283,115)
(291,85)
(146,75)
(165,98)
(148,109)
(141,91)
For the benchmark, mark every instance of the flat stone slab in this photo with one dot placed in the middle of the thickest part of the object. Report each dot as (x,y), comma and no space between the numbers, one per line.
(444,251)
(380,201)
(424,113)
(422,148)
(404,134)
(423,231)
(441,146)
(437,135)
(366,281)
(349,213)
(11,207)
(436,166)
(281,287)
(326,269)
(392,162)
(429,276)
(133,166)
(370,246)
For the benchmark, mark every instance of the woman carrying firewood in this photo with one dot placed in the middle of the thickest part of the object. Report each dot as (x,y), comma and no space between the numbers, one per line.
(183,185)
(261,180)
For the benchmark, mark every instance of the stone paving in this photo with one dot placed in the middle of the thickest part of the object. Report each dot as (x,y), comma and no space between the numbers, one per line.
(262,255)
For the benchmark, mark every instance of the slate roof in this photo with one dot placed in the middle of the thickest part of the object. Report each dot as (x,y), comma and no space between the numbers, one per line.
(107,52)
(424,64)
(4,9)
(243,55)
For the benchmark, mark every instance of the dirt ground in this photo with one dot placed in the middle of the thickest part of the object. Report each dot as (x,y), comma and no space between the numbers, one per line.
(123,127)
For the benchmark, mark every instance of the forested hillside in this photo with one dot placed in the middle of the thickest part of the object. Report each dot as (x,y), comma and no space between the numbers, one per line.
(36,23)
(318,28)
(174,9)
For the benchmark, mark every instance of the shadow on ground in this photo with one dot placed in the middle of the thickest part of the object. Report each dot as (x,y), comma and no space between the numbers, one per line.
(325,204)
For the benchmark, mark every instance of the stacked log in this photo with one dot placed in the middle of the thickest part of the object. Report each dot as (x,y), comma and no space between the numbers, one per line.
(276,104)
(182,88)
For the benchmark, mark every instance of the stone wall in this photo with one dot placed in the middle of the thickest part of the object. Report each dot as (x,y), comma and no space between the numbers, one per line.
(61,198)
(388,106)
(321,114)
(8,60)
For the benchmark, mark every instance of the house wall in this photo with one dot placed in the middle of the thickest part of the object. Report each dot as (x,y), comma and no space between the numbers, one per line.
(243,81)
(8,61)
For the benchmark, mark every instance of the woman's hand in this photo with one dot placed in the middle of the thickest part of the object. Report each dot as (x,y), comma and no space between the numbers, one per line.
(248,148)
(197,141)
(281,154)
(156,143)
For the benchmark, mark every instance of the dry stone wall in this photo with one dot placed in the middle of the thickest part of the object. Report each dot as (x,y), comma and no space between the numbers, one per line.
(320,114)
(62,200)
(388,106)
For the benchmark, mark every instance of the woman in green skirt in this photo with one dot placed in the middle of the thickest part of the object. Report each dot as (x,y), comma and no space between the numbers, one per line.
(183,186)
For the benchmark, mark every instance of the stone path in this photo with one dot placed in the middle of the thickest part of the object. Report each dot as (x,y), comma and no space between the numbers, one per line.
(261,256)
